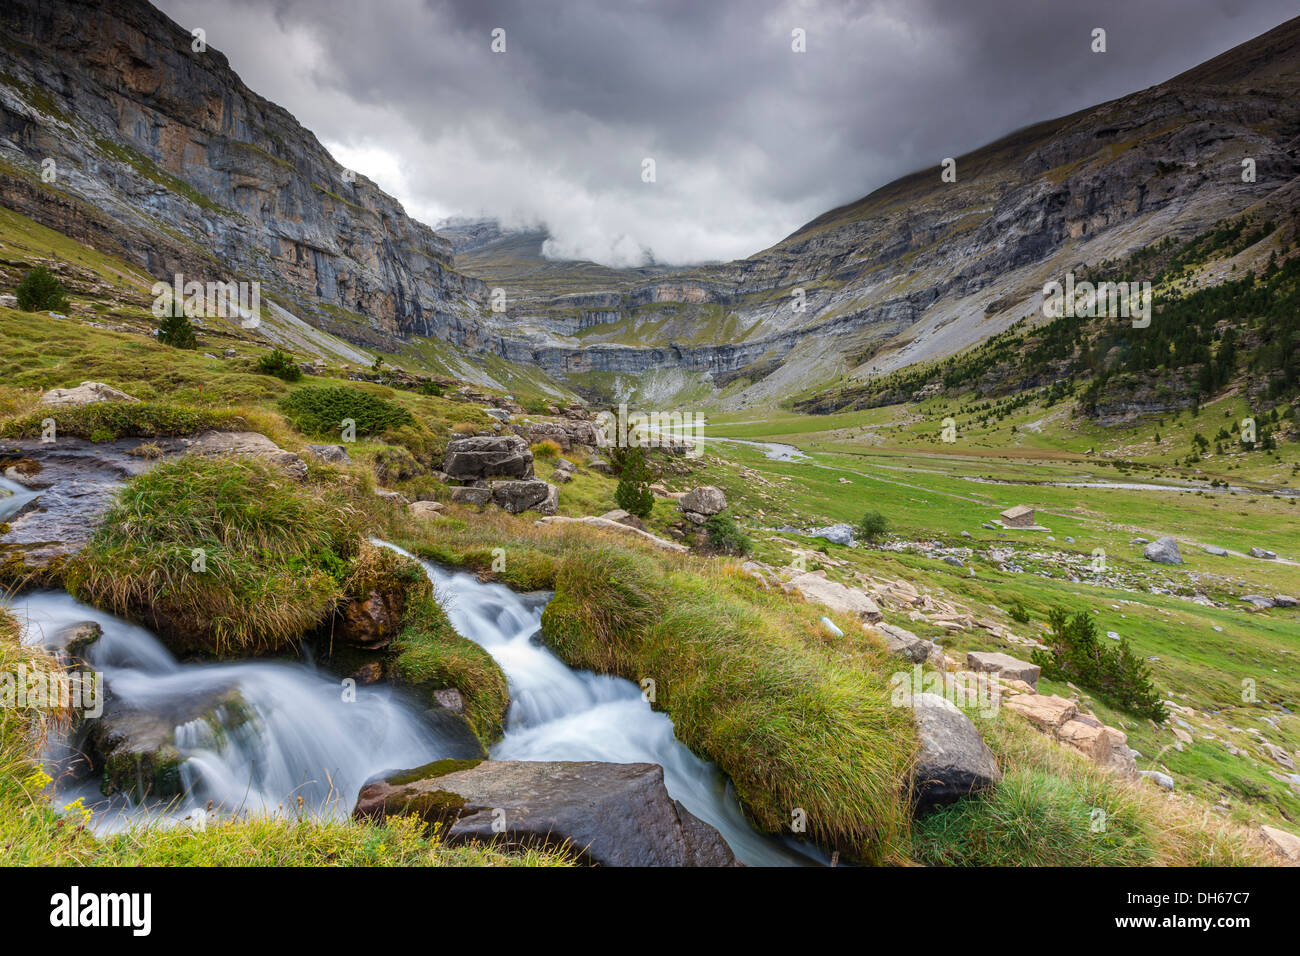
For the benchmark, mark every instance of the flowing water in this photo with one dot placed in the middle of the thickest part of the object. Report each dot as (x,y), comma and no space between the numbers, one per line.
(257,735)
(557,713)
(13,498)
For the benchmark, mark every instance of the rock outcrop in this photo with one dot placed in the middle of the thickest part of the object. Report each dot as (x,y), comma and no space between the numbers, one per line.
(609,814)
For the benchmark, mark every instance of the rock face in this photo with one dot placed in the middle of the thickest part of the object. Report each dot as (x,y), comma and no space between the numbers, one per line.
(85,394)
(248,445)
(1004,665)
(953,761)
(839,598)
(488,456)
(610,814)
(1163,551)
(705,500)
(143,130)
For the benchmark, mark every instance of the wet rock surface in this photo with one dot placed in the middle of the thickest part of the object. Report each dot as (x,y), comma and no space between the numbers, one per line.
(67,486)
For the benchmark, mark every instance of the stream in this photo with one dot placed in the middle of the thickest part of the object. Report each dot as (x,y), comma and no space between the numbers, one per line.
(255,736)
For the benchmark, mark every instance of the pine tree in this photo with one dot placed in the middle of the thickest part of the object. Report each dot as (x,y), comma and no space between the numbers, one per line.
(176,329)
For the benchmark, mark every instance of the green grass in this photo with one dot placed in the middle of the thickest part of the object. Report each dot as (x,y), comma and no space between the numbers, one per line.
(106,421)
(1053,808)
(275,551)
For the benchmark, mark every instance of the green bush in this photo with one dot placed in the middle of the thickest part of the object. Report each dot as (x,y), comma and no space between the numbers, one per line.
(1019,613)
(872,527)
(1116,676)
(176,329)
(725,536)
(280,364)
(320,410)
(633,493)
(40,291)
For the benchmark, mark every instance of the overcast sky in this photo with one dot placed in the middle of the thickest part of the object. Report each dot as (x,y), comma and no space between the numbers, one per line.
(750,139)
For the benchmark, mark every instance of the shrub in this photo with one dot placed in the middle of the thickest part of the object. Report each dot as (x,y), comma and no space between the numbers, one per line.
(274,554)
(872,527)
(40,291)
(1019,613)
(430,388)
(280,364)
(633,493)
(176,329)
(546,450)
(1117,676)
(320,410)
(725,536)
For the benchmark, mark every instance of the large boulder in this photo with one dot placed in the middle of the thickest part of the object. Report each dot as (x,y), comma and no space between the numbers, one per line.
(835,534)
(85,394)
(488,456)
(705,500)
(1163,551)
(217,444)
(611,814)
(531,495)
(839,598)
(1004,665)
(953,760)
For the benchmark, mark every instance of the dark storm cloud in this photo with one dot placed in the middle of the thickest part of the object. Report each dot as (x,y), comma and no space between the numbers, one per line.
(750,139)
